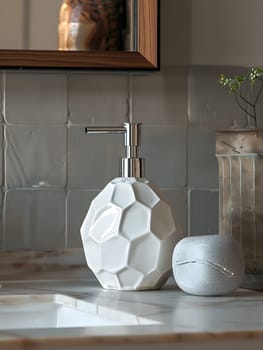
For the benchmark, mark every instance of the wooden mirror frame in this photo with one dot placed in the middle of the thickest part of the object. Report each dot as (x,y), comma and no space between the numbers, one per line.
(146,58)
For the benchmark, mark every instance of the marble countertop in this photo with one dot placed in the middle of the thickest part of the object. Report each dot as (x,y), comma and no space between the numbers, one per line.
(175,316)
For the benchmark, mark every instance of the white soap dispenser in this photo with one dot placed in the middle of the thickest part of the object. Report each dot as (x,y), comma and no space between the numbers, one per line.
(129,232)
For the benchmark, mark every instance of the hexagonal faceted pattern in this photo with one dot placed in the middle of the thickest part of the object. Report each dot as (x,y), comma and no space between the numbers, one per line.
(87,222)
(150,280)
(93,254)
(162,224)
(144,253)
(106,223)
(129,277)
(123,195)
(145,194)
(129,235)
(125,180)
(108,280)
(104,197)
(114,254)
(135,221)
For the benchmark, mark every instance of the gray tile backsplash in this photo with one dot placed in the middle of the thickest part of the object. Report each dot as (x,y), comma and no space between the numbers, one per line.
(2,97)
(92,159)
(50,170)
(161,98)
(35,98)
(164,150)
(203,212)
(178,199)
(210,105)
(202,163)
(34,219)
(35,156)
(97,98)
(2,144)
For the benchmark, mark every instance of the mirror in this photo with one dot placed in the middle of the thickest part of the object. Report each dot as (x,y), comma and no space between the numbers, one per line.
(45,34)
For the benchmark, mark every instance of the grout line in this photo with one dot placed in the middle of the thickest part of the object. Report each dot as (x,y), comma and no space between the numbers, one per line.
(4,129)
(4,97)
(67,162)
(66,221)
(188,198)
(3,224)
(188,211)
(55,125)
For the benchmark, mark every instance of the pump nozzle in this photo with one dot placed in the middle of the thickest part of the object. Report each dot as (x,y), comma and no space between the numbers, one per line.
(131,165)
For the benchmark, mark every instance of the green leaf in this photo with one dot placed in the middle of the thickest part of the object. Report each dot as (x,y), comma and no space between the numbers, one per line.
(233,84)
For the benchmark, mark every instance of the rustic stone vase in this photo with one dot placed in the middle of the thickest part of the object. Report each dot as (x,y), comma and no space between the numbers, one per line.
(240,159)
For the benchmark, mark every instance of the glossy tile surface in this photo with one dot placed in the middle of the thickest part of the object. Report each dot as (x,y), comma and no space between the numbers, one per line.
(97,98)
(39,219)
(35,98)
(35,156)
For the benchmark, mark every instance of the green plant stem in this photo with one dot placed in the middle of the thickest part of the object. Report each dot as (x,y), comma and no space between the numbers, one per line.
(259,92)
(253,116)
(236,85)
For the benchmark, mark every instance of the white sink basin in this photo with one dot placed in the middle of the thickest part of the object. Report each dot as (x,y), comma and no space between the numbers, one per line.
(59,311)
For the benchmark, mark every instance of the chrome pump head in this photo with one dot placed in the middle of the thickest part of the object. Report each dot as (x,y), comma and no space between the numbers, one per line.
(131,165)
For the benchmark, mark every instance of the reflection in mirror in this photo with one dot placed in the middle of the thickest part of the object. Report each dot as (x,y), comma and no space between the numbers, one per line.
(93,25)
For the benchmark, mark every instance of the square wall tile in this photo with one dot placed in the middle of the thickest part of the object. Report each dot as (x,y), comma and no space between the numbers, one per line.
(94,160)
(203,212)
(35,156)
(161,97)
(78,203)
(178,200)
(164,150)
(97,98)
(2,147)
(210,104)
(36,98)
(202,161)
(2,96)
(34,219)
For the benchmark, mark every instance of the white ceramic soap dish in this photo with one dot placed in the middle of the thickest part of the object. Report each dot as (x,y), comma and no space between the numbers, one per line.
(208,265)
